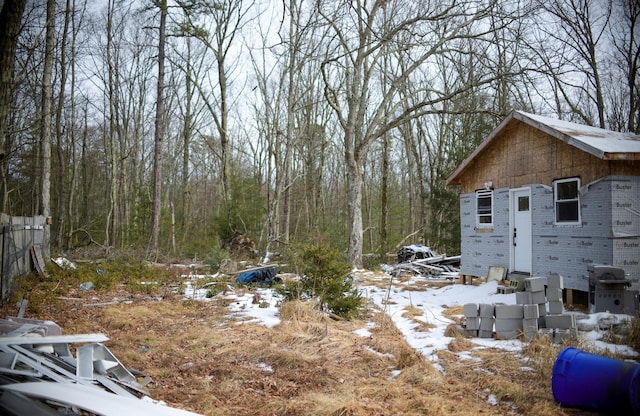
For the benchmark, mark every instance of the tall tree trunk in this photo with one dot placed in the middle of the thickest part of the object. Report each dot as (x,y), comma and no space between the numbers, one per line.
(10,16)
(384,202)
(354,209)
(45,137)
(113,125)
(159,134)
(62,159)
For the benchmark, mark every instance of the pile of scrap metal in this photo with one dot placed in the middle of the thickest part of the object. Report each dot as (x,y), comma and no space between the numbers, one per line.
(421,260)
(39,376)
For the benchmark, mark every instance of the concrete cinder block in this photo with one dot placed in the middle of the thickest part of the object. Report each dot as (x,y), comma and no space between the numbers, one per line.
(471,310)
(486,324)
(546,332)
(523,298)
(555,281)
(471,332)
(534,284)
(564,321)
(555,308)
(473,323)
(538,296)
(563,335)
(542,309)
(531,311)
(529,325)
(504,324)
(509,311)
(485,334)
(530,335)
(512,334)
(487,310)
(554,294)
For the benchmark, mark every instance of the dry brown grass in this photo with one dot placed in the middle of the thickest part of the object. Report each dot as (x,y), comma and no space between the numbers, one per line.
(204,361)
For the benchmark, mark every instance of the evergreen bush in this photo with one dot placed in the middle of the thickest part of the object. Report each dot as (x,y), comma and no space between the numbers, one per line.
(324,275)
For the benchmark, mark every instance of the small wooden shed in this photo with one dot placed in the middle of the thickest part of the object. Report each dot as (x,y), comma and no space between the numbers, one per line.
(542,196)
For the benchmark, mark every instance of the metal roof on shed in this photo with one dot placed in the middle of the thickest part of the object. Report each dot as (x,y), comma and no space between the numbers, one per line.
(601,143)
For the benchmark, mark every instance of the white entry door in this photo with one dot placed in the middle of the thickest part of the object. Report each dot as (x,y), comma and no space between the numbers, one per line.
(521,230)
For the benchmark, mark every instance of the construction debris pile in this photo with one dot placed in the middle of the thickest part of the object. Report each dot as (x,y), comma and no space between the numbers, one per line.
(39,375)
(421,260)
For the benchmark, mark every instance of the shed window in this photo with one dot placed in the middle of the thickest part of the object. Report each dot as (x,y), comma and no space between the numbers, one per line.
(484,208)
(567,200)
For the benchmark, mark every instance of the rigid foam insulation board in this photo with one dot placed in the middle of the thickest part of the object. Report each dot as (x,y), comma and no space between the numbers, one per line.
(509,311)
(555,281)
(554,294)
(471,310)
(534,284)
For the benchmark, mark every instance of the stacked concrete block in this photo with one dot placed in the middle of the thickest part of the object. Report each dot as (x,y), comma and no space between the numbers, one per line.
(563,325)
(530,323)
(555,285)
(472,320)
(523,298)
(487,311)
(509,321)
(546,332)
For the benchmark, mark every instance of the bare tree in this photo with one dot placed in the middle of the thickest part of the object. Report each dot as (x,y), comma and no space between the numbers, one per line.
(424,30)
(11,16)
(625,34)
(578,31)
(45,135)
(159,133)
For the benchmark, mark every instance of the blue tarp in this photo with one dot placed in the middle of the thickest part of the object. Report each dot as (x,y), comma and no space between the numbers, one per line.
(266,276)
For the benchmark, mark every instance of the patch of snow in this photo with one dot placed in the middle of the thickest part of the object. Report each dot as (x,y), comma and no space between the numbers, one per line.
(266,368)
(265,310)
(64,263)
(394,374)
(370,349)
(440,368)
(364,332)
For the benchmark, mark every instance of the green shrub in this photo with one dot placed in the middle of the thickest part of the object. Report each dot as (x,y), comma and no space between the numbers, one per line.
(324,275)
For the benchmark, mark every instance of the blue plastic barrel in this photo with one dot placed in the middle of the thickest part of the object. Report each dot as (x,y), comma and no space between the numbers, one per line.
(597,383)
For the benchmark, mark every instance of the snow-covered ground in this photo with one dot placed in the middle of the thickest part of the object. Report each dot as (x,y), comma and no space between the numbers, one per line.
(261,305)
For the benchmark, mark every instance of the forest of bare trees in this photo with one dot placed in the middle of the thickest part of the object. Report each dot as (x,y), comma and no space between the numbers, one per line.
(168,126)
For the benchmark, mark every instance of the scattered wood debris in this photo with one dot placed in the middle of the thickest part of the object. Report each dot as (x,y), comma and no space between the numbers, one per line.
(422,260)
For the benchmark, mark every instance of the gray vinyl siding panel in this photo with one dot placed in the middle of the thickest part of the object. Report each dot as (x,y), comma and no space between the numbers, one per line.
(609,232)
